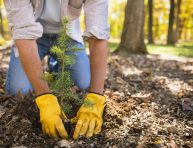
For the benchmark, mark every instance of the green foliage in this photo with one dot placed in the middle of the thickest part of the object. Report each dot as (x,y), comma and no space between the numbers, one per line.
(60,83)
(160,19)
(116,17)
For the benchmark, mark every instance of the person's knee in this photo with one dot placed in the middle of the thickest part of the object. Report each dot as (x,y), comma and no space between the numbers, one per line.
(83,84)
(15,89)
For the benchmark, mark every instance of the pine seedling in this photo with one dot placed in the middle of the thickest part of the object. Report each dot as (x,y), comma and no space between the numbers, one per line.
(60,83)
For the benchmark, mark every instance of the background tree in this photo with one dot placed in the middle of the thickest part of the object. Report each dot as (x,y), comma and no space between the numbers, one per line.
(186,25)
(4,28)
(170,38)
(178,20)
(150,22)
(2,41)
(132,39)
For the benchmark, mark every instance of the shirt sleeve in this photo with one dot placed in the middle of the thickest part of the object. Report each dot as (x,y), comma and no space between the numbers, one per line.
(21,20)
(96,19)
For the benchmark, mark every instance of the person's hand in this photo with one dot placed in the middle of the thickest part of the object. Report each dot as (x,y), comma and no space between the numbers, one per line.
(89,117)
(50,116)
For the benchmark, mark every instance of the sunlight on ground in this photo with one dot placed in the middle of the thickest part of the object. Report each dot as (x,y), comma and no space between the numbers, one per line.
(181,49)
(131,71)
(175,86)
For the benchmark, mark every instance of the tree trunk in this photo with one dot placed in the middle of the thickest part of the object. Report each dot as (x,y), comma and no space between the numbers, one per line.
(170,38)
(157,26)
(132,40)
(4,22)
(150,22)
(1,19)
(178,21)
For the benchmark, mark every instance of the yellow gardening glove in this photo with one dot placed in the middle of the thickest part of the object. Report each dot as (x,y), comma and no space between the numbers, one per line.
(2,40)
(50,116)
(89,117)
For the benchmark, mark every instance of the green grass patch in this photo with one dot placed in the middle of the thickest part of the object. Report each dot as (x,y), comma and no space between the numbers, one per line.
(181,49)
(113,46)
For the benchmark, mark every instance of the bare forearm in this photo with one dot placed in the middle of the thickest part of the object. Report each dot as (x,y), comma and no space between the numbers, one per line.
(28,53)
(98,61)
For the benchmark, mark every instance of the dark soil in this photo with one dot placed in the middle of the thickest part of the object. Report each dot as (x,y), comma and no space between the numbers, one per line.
(148,105)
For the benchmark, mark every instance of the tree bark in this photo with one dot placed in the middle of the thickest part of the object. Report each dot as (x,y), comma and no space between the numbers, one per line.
(150,22)
(4,27)
(170,38)
(157,26)
(178,21)
(1,19)
(132,39)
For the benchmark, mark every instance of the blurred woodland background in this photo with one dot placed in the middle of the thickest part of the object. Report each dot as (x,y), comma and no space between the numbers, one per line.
(165,26)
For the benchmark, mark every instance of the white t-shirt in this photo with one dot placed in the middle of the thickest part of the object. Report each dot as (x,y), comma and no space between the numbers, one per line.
(51,20)
(50,17)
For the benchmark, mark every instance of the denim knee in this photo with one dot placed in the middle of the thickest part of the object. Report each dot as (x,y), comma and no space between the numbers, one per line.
(80,70)
(19,89)
(14,86)
(83,84)
(16,80)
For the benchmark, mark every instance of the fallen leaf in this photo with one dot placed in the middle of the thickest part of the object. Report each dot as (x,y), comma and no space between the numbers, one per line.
(2,111)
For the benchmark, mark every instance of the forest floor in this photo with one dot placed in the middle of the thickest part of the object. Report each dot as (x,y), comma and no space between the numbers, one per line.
(149,104)
(180,49)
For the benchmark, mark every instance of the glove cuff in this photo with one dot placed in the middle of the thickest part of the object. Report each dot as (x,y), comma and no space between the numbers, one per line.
(43,94)
(92,92)
(96,98)
(46,100)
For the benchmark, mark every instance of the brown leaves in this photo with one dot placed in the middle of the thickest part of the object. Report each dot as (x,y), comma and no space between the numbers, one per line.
(2,111)
(145,97)
(187,104)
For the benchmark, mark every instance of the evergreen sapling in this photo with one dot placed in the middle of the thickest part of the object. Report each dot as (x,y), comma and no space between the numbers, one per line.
(60,83)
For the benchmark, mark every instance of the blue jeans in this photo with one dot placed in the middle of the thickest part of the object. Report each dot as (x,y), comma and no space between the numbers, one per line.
(17,80)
